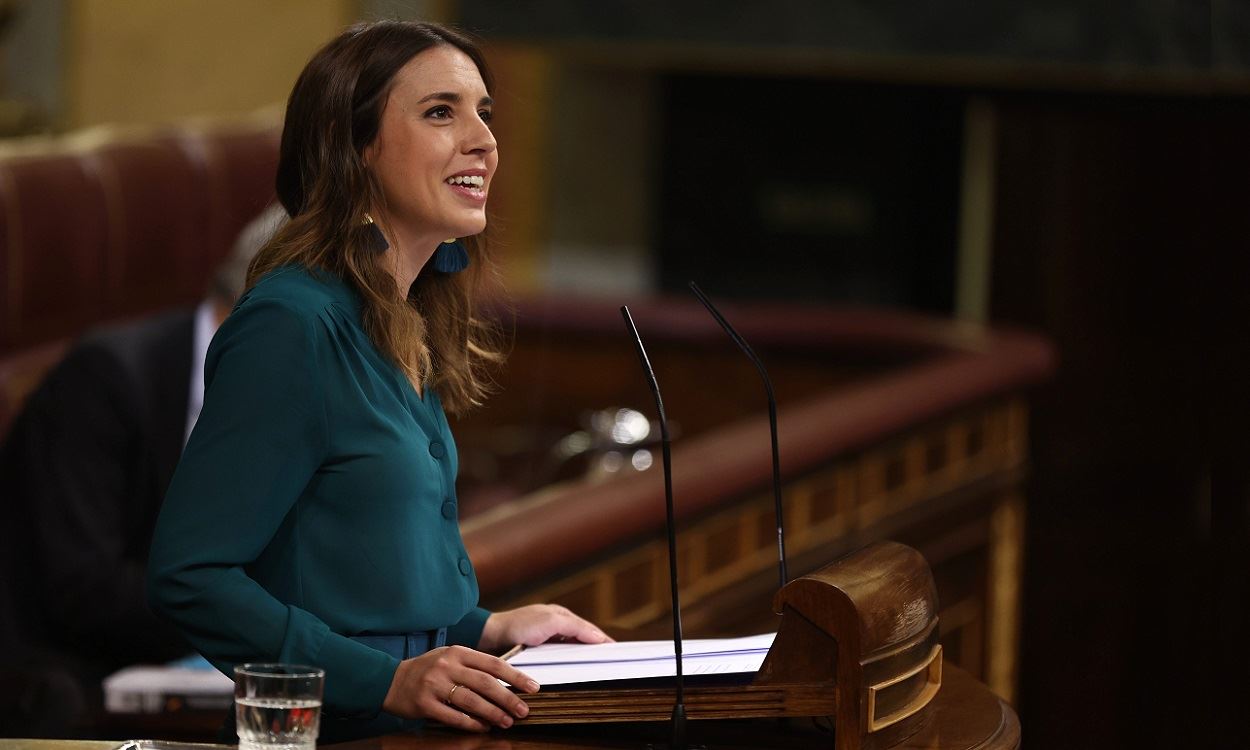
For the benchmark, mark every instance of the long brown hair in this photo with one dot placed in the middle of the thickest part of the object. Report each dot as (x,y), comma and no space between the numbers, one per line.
(334,113)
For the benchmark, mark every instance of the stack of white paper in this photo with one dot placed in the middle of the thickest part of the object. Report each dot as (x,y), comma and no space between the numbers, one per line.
(570,663)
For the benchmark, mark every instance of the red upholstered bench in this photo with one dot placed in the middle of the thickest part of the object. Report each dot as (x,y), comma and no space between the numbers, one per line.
(98,227)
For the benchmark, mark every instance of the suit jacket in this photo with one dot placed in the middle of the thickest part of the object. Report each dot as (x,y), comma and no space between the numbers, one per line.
(85,469)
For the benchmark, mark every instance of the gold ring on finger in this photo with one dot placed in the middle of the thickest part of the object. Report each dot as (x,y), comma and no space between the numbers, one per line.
(454,688)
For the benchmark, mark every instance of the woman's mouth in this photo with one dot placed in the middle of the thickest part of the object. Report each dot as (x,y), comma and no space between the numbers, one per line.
(472,187)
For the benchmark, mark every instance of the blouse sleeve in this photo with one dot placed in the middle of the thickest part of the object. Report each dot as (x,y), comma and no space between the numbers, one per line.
(468,632)
(259,439)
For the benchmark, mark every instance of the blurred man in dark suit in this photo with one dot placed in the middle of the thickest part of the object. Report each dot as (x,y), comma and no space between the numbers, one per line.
(85,468)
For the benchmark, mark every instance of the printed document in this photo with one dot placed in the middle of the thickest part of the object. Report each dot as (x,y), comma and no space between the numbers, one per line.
(571,663)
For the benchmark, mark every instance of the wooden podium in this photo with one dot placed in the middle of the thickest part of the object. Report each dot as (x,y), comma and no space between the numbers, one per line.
(857,642)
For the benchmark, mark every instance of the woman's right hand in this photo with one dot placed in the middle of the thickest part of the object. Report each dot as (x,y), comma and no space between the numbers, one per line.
(426,687)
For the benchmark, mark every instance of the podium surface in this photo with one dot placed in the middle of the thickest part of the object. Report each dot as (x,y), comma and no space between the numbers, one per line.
(855,665)
(965,714)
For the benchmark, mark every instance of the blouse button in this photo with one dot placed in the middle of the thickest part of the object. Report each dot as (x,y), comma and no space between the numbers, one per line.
(465,568)
(437,450)
(449,510)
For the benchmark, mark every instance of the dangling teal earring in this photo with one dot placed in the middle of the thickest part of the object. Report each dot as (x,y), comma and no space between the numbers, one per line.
(377,240)
(451,257)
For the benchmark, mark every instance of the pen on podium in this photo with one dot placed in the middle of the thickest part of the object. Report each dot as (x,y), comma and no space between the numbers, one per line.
(772,422)
(679,708)
(512,652)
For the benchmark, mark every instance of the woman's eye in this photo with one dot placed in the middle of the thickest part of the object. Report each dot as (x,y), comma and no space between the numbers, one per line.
(440,112)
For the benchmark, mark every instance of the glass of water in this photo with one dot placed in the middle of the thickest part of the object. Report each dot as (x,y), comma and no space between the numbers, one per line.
(277,706)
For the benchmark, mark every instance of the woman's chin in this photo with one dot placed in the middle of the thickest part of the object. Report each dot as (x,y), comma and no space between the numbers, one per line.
(469,229)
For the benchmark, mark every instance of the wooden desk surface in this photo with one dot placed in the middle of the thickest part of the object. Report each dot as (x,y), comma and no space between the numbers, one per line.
(964,715)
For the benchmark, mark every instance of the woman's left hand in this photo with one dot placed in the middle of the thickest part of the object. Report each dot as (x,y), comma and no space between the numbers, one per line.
(535,624)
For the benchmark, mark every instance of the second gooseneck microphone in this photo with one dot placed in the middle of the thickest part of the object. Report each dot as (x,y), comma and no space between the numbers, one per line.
(772,421)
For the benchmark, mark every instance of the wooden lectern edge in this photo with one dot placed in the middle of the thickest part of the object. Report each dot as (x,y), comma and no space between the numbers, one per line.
(949,710)
(814,667)
(965,715)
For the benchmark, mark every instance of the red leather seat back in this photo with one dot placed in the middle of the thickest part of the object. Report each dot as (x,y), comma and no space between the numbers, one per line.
(53,240)
(240,167)
(157,205)
(122,226)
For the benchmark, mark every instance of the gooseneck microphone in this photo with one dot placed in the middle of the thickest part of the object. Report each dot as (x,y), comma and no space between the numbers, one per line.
(679,708)
(772,421)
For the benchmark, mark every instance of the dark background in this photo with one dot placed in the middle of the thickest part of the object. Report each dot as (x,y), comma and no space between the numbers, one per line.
(1119,231)
(1144,33)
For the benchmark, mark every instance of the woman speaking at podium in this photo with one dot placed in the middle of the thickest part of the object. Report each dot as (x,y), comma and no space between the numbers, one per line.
(313,517)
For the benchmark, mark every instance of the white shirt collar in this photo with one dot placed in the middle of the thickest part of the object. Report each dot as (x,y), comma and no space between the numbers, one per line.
(202,333)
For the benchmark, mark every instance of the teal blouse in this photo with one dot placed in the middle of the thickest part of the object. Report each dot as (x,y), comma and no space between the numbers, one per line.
(315,499)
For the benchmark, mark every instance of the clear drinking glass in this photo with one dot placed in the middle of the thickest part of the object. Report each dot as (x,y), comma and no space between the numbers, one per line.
(277,706)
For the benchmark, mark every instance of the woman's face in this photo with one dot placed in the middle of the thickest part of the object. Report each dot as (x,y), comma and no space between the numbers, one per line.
(434,154)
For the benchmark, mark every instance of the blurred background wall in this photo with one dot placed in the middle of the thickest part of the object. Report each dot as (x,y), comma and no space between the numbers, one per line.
(1075,168)
(76,64)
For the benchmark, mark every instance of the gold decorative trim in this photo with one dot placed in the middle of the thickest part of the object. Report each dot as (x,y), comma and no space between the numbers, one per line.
(1005,572)
(933,683)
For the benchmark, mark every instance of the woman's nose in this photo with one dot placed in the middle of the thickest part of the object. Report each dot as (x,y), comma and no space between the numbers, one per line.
(479,139)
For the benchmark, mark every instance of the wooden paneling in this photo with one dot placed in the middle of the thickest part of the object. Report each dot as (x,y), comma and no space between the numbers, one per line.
(728,558)
(1120,232)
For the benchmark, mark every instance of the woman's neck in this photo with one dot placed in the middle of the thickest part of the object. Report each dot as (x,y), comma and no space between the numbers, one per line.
(408,253)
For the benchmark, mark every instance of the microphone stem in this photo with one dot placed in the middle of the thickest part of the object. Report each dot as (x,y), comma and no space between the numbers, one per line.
(672,568)
(772,422)
(679,710)
(781,535)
